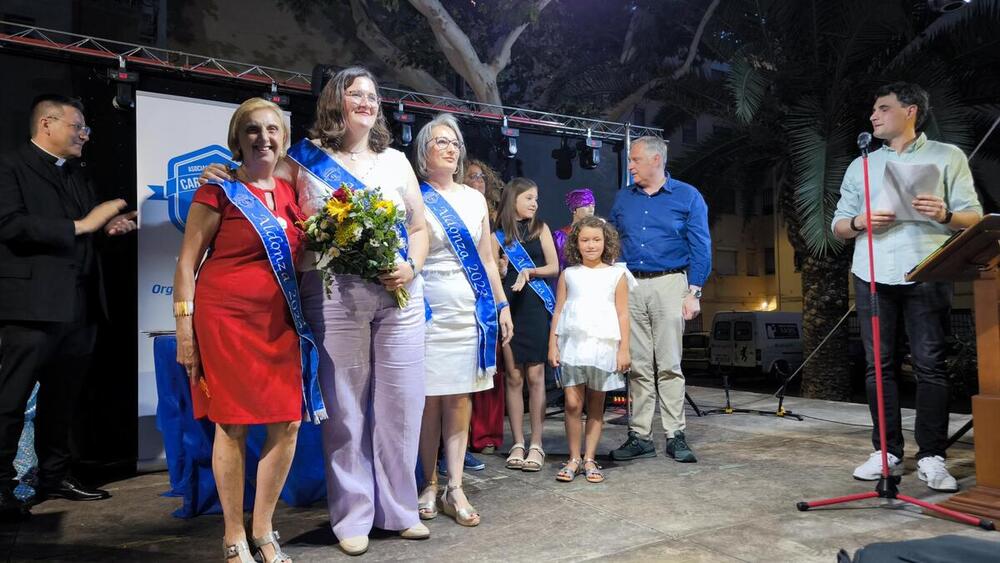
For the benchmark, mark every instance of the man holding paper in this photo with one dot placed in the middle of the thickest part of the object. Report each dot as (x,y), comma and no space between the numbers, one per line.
(921,191)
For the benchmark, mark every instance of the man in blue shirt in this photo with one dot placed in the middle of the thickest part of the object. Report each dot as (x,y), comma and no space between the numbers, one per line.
(899,245)
(665,242)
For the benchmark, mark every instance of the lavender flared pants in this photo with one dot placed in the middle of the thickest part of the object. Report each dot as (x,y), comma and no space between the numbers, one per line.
(371,372)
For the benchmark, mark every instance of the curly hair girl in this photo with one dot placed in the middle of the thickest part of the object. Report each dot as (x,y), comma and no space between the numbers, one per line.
(611,246)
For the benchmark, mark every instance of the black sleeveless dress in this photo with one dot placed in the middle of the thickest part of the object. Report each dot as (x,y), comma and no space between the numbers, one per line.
(530,343)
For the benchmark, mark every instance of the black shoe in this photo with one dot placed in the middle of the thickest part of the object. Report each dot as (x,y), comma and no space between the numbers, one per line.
(634,448)
(678,449)
(70,489)
(11,509)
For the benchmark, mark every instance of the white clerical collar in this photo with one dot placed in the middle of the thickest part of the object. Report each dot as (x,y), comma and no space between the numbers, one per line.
(59,161)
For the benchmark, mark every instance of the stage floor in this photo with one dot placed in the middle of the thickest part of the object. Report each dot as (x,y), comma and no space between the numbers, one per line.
(736,504)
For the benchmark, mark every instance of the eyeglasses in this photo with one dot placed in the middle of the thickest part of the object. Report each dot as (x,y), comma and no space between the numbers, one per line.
(477,176)
(442,144)
(79,128)
(358,97)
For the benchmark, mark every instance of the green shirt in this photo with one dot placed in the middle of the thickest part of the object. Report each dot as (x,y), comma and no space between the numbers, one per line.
(904,244)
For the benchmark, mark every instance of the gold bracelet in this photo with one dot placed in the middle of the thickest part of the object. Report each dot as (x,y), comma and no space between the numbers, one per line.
(183,308)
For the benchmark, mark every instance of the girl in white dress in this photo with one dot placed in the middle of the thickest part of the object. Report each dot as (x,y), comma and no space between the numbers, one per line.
(588,340)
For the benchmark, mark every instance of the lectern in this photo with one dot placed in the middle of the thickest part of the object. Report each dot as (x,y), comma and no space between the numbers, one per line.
(973,255)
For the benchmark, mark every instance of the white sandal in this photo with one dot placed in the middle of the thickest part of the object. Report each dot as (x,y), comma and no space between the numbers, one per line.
(533,466)
(515,462)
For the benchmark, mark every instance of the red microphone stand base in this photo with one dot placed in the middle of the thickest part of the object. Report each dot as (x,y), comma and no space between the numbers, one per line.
(888,488)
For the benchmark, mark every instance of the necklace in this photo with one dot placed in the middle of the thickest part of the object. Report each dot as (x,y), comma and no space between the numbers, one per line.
(354,154)
(371,166)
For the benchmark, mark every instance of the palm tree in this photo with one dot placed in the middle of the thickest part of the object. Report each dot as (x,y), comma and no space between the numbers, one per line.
(799,89)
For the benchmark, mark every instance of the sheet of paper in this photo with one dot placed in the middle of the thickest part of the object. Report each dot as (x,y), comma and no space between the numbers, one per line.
(902,183)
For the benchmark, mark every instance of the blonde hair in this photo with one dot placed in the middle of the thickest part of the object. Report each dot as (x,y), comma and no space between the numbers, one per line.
(240,117)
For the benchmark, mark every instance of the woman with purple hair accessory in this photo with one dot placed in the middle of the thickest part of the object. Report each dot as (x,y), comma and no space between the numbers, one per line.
(581,204)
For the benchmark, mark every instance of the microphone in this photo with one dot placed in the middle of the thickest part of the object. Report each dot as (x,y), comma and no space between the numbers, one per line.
(863,140)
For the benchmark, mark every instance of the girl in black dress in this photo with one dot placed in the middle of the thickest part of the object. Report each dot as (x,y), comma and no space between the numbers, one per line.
(526,354)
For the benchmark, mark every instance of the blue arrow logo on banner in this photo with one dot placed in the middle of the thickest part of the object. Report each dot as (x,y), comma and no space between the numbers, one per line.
(182,180)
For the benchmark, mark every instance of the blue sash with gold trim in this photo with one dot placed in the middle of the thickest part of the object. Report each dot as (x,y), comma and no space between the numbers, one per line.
(520,259)
(465,249)
(325,169)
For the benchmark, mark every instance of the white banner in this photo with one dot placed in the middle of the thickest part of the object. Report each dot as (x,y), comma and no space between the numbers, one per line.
(176,138)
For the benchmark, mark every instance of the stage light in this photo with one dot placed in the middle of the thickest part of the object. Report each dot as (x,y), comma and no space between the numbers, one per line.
(274,97)
(511,135)
(320,76)
(946,5)
(590,152)
(564,156)
(405,121)
(124,80)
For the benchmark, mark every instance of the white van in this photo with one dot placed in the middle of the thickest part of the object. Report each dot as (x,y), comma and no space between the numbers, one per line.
(768,342)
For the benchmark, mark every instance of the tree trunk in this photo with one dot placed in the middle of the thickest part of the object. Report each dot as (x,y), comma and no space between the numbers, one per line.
(824,301)
(625,106)
(461,54)
(390,55)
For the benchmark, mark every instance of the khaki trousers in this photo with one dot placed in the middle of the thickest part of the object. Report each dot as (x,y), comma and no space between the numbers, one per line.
(657,322)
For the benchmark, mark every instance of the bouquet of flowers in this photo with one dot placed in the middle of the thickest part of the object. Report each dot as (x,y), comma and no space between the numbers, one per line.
(356,232)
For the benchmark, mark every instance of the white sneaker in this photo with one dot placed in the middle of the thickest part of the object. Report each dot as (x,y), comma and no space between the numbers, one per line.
(871,470)
(355,545)
(931,470)
(417,532)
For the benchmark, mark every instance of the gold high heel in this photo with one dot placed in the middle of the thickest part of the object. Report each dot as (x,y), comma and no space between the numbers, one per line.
(466,516)
(428,510)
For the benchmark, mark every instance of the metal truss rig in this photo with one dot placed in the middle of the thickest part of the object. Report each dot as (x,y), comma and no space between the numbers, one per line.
(518,117)
(123,53)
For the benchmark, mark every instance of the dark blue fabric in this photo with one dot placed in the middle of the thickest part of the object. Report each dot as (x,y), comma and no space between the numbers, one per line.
(188,446)
(26,461)
(664,231)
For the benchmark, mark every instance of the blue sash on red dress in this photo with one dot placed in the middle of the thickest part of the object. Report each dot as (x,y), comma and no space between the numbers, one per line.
(279,253)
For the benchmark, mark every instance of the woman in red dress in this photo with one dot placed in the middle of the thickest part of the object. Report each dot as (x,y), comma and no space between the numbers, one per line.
(235,335)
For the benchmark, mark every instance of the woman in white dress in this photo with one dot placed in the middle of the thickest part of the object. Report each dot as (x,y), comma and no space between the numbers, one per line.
(452,361)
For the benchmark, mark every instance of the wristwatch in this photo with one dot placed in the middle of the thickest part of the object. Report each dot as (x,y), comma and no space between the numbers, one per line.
(696,293)
(947,218)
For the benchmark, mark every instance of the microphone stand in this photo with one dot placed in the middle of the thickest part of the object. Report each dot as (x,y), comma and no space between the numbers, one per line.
(888,485)
(781,412)
(780,393)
